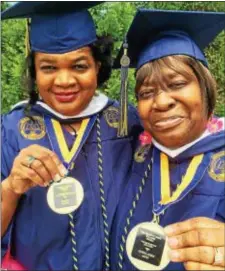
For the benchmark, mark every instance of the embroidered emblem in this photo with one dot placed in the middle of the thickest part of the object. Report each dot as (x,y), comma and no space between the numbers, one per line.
(217,167)
(32,129)
(141,153)
(111,116)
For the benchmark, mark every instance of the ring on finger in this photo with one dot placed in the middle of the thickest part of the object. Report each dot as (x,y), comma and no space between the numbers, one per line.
(218,256)
(30,160)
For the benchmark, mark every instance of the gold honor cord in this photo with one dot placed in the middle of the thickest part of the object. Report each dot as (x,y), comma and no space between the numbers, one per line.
(66,153)
(166,197)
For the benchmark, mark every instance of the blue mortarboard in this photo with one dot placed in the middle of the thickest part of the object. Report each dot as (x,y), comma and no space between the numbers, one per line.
(56,27)
(26,9)
(61,33)
(154,34)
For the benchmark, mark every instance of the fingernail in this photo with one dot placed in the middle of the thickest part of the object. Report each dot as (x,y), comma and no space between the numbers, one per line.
(173,242)
(57,178)
(174,255)
(46,184)
(168,230)
(63,170)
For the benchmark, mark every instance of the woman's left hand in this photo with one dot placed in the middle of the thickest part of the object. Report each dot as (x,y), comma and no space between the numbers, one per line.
(198,243)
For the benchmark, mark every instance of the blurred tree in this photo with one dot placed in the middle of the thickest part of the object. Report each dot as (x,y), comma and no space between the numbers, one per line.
(12,58)
(113,18)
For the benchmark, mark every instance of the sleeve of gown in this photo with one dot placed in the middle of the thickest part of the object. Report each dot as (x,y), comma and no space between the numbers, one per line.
(9,151)
(133,117)
(135,126)
(221,211)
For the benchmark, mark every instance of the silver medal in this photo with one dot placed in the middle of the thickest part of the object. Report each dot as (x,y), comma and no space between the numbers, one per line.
(147,247)
(65,196)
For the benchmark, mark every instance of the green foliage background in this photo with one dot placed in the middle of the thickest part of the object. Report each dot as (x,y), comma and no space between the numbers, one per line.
(113,18)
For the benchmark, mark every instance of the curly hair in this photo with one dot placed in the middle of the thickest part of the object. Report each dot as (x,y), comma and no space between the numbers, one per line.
(101,51)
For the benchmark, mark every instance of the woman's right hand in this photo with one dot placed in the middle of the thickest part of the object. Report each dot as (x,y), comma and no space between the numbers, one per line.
(33,166)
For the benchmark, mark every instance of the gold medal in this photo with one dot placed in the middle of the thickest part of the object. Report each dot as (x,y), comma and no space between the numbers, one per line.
(65,196)
(147,247)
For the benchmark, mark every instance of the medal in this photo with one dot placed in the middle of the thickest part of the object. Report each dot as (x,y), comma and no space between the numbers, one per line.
(147,247)
(65,196)
(146,244)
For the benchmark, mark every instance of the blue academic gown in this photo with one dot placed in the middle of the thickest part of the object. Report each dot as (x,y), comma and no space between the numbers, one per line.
(40,239)
(206,199)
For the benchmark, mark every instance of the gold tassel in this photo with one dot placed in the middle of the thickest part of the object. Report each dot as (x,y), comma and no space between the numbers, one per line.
(123,122)
(27,39)
(27,44)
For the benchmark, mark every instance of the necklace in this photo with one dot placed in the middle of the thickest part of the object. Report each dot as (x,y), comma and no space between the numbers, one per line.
(74,133)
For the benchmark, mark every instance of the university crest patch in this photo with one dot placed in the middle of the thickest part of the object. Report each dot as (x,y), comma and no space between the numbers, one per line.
(32,129)
(141,153)
(217,167)
(111,115)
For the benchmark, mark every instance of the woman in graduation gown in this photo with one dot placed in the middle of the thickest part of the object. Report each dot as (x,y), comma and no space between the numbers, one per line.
(63,165)
(171,215)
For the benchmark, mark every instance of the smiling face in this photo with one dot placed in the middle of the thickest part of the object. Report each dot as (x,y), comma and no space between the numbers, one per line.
(171,106)
(67,82)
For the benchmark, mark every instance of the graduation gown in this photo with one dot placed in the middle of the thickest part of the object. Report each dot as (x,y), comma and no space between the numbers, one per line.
(206,197)
(40,239)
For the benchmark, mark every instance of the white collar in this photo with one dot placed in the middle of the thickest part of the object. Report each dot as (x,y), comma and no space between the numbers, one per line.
(176,152)
(98,102)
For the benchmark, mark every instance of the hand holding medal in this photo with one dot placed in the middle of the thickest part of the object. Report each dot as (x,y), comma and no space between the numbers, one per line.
(35,166)
(198,243)
(147,245)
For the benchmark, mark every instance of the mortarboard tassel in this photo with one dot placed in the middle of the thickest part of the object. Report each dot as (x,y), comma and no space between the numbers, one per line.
(124,62)
(27,43)
(27,39)
(29,77)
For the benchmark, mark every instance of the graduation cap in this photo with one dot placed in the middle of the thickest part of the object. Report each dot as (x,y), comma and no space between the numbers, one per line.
(25,9)
(56,27)
(154,34)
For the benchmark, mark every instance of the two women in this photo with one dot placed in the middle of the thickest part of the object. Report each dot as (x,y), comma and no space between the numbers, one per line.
(175,100)
(178,172)
(61,157)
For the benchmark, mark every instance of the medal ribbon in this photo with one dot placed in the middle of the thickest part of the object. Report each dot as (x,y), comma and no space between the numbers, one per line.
(162,197)
(59,146)
(58,141)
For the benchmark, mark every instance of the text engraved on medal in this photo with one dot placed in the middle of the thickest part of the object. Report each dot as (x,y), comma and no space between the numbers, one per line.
(148,246)
(64,195)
